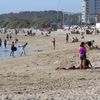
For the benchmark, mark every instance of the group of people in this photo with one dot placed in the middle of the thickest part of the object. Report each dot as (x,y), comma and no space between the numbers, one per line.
(5,40)
(85,63)
(83,57)
(82,51)
(14,48)
(5,43)
(9,37)
(74,39)
(54,41)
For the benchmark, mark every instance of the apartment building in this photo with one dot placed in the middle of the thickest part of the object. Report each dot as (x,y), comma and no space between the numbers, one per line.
(90,10)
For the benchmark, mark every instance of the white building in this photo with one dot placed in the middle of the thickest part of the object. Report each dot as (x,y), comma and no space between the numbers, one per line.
(90,9)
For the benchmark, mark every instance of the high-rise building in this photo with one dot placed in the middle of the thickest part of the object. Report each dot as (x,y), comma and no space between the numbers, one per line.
(90,10)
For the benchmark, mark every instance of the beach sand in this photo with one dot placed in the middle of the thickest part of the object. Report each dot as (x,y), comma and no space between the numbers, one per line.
(34,76)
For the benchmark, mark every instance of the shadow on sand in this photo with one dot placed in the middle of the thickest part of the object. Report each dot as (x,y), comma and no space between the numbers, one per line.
(93,69)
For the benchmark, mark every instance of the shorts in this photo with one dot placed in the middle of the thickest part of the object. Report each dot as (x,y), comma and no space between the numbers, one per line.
(83,57)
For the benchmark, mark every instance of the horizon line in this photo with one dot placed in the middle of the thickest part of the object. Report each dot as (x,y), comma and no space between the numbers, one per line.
(36,11)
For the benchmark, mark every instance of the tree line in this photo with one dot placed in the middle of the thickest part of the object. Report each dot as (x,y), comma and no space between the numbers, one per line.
(38,19)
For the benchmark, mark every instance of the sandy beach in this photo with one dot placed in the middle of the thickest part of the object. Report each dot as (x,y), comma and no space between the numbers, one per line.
(34,76)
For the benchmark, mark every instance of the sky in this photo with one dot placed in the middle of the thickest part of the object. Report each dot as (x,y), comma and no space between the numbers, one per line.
(8,6)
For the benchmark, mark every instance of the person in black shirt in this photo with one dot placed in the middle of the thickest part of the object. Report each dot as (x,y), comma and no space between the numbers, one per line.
(5,43)
(13,49)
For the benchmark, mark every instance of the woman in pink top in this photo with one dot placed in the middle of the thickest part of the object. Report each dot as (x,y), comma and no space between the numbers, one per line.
(82,52)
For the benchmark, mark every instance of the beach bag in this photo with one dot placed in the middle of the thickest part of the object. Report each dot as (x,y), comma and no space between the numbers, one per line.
(15,48)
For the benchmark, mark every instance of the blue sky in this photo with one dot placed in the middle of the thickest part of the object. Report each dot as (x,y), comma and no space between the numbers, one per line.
(7,6)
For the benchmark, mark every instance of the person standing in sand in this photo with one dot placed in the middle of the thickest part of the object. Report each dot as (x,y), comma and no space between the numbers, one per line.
(5,43)
(82,52)
(53,43)
(13,49)
(67,38)
(7,37)
(0,42)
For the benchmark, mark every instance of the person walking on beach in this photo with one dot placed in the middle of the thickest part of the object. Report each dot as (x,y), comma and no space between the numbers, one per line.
(5,43)
(82,52)
(13,49)
(67,38)
(53,43)
(23,48)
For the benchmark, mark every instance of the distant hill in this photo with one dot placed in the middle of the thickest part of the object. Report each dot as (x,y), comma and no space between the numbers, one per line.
(69,18)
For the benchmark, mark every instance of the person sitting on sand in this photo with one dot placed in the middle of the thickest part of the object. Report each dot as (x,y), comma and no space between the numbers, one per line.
(42,33)
(74,39)
(87,64)
(90,44)
(46,35)
(16,40)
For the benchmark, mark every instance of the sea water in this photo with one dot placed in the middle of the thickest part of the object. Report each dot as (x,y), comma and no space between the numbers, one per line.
(5,52)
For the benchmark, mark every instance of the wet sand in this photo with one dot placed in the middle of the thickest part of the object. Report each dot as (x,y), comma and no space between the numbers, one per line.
(33,77)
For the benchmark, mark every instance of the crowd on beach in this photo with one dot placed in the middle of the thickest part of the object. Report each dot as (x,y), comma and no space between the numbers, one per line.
(12,42)
(84,62)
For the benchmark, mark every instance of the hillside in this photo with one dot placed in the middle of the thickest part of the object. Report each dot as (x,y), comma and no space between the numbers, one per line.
(34,17)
